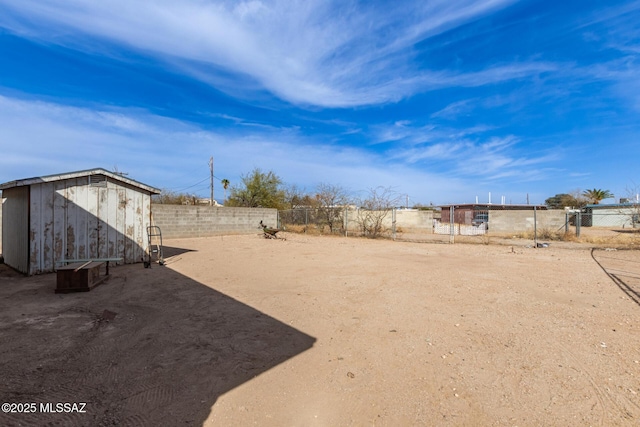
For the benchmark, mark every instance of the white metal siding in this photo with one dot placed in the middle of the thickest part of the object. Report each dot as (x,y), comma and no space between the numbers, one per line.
(15,228)
(71,219)
(613,217)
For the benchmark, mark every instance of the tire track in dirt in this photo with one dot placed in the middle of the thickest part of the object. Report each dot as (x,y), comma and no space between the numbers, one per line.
(137,420)
(148,398)
(609,406)
(600,395)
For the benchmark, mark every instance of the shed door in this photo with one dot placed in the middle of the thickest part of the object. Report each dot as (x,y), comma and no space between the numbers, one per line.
(15,228)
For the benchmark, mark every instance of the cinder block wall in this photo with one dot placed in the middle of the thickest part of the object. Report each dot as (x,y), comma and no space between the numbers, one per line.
(177,221)
(414,219)
(520,221)
(407,220)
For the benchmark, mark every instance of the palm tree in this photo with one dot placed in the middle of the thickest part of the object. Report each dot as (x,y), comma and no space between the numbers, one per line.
(225,185)
(596,195)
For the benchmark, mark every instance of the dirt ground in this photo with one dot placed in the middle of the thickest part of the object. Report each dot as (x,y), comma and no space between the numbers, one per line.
(327,331)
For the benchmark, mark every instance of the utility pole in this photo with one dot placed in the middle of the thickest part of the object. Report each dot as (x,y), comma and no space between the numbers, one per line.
(211,184)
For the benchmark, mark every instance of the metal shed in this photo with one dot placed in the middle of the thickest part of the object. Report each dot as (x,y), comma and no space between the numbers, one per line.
(87,214)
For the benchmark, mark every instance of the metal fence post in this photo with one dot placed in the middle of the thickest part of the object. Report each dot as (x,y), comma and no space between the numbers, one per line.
(535,227)
(346,222)
(451,225)
(578,223)
(393,222)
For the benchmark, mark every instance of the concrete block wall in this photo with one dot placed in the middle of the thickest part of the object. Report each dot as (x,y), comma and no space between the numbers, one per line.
(414,220)
(520,221)
(178,221)
(406,220)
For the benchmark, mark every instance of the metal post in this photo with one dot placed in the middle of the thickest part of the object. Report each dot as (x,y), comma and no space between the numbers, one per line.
(535,228)
(566,223)
(451,225)
(578,223)
(393,222)
(346,221)
(211,182)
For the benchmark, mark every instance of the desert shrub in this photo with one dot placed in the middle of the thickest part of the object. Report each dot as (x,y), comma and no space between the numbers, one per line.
(547,234)
(373,211)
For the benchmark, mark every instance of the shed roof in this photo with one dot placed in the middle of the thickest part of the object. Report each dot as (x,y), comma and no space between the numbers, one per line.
(490,206)
(612,205)
(78,174)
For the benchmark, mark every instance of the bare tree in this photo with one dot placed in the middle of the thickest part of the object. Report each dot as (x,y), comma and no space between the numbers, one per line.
(331,200)
(168,197)
(297,198)
(374,209)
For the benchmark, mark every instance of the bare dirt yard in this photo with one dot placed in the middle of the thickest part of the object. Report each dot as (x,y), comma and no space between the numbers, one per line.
(241,330)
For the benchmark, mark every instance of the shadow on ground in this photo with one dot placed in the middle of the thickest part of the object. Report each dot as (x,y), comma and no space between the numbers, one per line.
(622,269)
(147,347)
(170,251)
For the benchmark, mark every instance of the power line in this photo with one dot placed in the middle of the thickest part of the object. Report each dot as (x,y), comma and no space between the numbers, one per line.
(191,186)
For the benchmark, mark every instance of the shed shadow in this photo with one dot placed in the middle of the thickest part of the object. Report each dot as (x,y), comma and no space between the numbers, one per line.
(148,347)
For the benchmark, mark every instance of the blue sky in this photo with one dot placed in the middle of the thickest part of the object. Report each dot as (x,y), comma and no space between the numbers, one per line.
(441,100)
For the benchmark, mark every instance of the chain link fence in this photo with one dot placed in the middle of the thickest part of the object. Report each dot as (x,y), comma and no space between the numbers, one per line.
(606,226)
(462,222)
(322,220)
(341,221)
(618,219)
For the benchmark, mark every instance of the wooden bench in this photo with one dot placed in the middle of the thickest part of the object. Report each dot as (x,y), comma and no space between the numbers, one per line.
(81,275)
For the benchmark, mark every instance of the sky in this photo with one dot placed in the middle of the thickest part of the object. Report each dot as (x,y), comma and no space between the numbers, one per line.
(441,101)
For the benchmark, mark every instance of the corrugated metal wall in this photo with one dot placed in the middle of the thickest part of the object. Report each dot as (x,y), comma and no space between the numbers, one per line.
(15,228)
(76,219)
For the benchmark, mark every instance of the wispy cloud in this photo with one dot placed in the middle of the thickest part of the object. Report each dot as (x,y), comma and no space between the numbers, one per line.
(307,52)
(433,96)
(168,153)
(407,133)
(455,109)
(469,153)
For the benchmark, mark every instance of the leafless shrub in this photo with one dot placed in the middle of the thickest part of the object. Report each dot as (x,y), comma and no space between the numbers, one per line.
(374,209)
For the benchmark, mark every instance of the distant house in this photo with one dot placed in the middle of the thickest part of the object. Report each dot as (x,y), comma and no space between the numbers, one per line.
(624,215)
(77,215)
(476,214)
